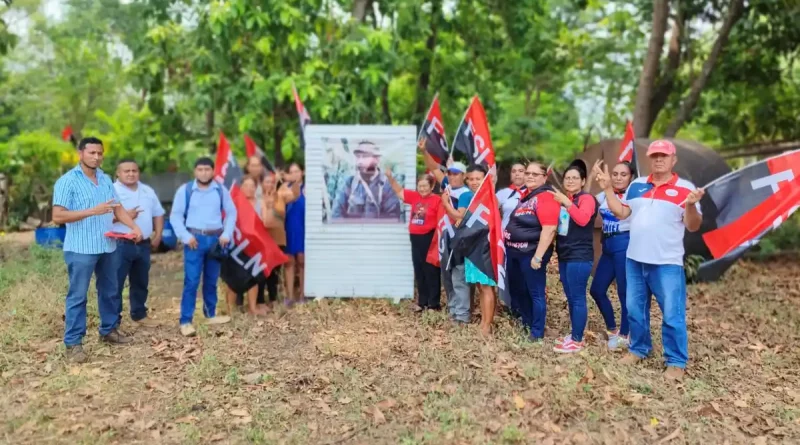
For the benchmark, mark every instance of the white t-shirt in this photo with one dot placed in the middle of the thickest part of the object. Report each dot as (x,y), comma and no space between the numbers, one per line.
(656,221)
(612,224)
(143,197)
(508,199)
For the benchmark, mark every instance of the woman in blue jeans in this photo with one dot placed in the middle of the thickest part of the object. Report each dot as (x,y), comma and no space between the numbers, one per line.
(611,266)
(575,249)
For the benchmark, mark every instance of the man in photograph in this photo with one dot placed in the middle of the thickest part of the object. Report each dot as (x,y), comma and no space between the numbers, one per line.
(367,194)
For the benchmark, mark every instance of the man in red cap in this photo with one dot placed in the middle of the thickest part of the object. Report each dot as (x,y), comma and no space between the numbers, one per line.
(661,207)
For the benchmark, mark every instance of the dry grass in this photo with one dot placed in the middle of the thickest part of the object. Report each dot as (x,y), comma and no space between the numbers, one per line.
(370,373)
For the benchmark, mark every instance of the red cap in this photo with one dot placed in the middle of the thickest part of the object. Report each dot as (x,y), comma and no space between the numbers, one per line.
(662,146)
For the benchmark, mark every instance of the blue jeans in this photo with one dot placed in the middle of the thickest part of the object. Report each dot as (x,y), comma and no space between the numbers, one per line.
(611,266)
(196,263)
(574,277)
(527,290)
(668,283)
(80,268)
(134,264)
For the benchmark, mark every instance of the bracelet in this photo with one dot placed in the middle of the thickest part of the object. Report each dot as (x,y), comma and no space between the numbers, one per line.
(536,259)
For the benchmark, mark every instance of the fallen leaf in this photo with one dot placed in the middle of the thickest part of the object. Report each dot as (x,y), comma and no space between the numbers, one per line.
(242,420)
(344,400)
(587,377)
(493,426)
(672,435)
(253,378)
(239,412)
(475,365)
(519,402)
(380,419)
(653,421)
(217,437)
(186,419)
(387,404)
(740,403)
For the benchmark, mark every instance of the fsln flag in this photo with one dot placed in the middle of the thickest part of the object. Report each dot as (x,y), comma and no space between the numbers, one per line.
(433,132)
(303,115)
(252,149)
(254,253)
(226,170)
(67,135)
(627,150)
(750,202)
(439,249)
(479,236)
(473,138)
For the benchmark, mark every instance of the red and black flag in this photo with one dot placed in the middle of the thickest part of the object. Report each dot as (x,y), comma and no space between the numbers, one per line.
(439,249)
(627,150)
(226,170)
(252,149)
(303,115)
(433,132)
(254,253)
(473,138)
(68,136)
(749,203)
(479,237)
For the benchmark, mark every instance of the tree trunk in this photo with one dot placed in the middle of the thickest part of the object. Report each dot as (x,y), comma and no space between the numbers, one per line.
(387,113)
(360,8)
(666,81)
(210,130)
(277,142)
(647,79)
(688,105)
(426,63)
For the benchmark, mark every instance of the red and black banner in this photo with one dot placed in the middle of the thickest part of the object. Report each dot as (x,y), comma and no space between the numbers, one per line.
(439,249)
(303,115)
(473,138)
(226,170)
(479,237)
(68,136)
(627,150)
(252,149)
(749,203)
(433,132)
(254,253)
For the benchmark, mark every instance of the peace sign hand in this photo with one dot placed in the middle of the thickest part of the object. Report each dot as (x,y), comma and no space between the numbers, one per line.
(601,176)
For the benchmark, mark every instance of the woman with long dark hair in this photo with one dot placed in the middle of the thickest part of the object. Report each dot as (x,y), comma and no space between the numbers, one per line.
(611,266)
(575,249)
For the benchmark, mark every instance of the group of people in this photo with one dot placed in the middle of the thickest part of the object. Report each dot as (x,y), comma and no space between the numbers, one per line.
(643,223)
(112,225)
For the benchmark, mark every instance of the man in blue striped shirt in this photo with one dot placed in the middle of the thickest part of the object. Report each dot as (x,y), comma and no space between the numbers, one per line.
(84,199)
(197,219)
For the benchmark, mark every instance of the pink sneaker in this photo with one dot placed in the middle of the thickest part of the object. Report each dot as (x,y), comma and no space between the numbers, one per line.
(569,346)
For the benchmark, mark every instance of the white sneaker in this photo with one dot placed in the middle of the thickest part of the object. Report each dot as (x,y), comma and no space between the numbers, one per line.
(187,330)
(220,319)
(616,341)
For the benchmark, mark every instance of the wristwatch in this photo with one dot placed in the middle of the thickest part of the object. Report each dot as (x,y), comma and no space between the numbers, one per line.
(538,260)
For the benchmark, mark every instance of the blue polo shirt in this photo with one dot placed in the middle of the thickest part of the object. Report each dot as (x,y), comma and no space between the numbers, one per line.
(75,191)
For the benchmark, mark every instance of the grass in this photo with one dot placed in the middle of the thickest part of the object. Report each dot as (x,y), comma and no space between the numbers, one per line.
(370,372)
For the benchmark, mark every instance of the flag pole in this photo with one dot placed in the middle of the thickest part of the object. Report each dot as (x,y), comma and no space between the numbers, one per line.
(459,124)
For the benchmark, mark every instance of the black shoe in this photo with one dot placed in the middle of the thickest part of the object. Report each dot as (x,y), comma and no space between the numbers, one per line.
(116,338)
(75,354)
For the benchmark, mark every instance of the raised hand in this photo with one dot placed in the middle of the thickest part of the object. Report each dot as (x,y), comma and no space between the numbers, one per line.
(601,176)
(421,143)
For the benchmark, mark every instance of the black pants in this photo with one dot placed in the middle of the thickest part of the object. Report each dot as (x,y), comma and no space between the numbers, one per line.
(427,275)
(273,280)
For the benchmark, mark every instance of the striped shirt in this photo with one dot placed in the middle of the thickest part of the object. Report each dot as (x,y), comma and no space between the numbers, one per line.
(75,191)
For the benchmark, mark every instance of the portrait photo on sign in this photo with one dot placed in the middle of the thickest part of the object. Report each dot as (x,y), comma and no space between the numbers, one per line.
(357,189)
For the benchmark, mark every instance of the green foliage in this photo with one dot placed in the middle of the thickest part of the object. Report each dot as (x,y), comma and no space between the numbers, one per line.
(33,162)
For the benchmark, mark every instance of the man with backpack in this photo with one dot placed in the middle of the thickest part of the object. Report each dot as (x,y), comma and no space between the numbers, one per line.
(203,217)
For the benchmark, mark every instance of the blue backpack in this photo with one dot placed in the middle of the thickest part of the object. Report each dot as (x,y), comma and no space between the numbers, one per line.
(189,198)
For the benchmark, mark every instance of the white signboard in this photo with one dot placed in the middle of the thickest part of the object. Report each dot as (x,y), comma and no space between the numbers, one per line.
(357,241)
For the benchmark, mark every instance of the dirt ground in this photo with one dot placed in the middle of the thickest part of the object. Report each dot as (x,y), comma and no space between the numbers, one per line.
(371,372)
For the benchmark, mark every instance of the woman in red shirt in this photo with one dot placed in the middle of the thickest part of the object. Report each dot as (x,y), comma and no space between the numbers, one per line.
(422,226)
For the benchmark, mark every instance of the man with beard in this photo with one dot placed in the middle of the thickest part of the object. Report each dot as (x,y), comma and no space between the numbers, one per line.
(142,204)
(367,194)
(84,199)
(197,218)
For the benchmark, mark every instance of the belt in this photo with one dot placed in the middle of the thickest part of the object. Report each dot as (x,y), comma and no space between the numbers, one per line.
(212,232)
(136,243)
(613,234)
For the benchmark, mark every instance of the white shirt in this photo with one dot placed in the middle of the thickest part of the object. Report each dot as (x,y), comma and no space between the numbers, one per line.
(508,199)
(612,224)
(143,197)
(656,221)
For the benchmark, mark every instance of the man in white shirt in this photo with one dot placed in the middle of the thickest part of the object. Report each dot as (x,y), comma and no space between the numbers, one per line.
(142,204)
(508,198)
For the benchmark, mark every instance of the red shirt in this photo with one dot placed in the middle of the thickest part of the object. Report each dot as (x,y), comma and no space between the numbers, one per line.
(423,211)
